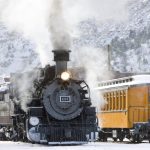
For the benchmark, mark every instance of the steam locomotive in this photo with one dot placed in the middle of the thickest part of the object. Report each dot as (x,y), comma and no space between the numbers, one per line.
(59,111)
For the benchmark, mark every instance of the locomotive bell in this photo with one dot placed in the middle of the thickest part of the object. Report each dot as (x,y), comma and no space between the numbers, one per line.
(61,57)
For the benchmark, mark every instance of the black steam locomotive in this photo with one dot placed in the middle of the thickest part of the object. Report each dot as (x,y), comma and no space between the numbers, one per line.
(59,111)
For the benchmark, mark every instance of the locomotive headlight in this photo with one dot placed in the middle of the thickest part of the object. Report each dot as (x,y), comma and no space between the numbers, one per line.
(34,121)
(65,76)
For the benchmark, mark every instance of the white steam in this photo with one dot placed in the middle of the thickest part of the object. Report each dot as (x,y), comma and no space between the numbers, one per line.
(101,10)
(29,17)
(34,18)
(60,36)
(95,62)
(39,20)
(23,88)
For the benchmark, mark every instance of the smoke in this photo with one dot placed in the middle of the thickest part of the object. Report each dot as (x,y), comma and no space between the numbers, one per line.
(29,18)
(100,10)
(95,62)
(66,14)
(60,36)
(53,23)
(23,87)
(38,20)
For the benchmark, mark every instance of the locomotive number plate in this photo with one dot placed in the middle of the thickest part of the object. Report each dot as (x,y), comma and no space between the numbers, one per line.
(64,99)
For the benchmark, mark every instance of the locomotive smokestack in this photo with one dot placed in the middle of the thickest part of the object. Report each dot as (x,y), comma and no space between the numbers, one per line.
(61,57)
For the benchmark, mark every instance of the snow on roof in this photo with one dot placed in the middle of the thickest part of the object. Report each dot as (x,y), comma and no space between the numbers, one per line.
(124,82)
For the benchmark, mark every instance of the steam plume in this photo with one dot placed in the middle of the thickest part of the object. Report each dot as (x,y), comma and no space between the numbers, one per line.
(94,61)
(30,17)
(23,88)
(35,18)
(60,36)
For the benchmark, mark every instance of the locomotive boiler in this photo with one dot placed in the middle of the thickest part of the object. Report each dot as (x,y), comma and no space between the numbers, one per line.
(60,110)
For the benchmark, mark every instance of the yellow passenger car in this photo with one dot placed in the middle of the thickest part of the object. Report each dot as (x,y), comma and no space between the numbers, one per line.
(127,109)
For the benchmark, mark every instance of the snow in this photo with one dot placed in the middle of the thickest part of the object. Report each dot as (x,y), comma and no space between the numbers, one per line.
(126,38)
(90,146)
(17,53)
(141,79)
(137,79)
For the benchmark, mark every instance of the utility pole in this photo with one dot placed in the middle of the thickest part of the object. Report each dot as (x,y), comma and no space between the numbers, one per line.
(109,57)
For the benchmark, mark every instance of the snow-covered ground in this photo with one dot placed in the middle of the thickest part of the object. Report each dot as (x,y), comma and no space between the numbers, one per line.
(90,146)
